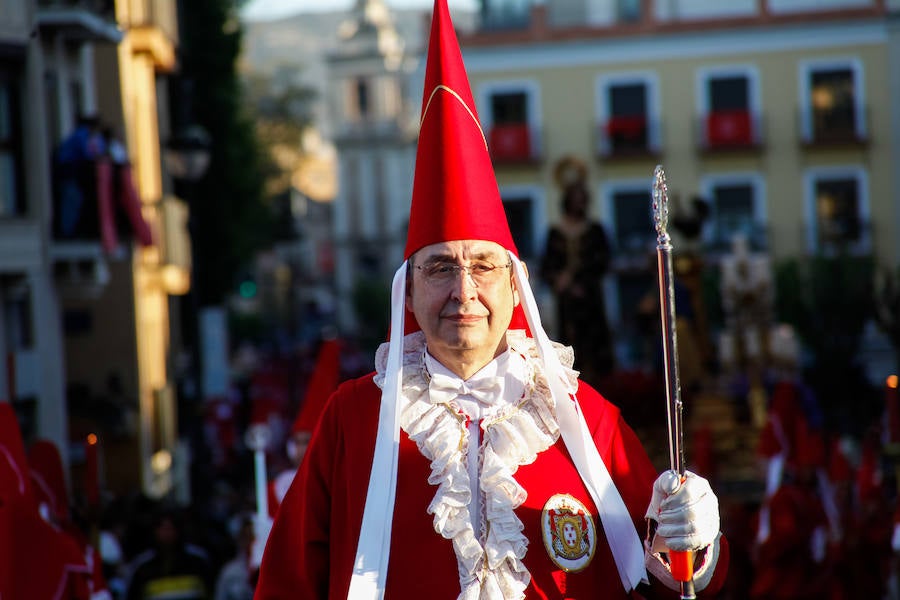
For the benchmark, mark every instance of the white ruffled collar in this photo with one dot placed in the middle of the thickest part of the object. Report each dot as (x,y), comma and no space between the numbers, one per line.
(512,437)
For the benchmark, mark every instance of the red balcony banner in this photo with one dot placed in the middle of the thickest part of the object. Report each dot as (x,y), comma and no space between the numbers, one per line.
(131,204)
(510,141)
(729,128)
(626,127)
(105,210)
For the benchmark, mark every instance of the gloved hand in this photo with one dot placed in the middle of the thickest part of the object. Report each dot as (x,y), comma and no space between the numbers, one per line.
(261,529)
(686,512)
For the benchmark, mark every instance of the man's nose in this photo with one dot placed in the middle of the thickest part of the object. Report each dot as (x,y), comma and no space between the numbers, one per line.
(464,286)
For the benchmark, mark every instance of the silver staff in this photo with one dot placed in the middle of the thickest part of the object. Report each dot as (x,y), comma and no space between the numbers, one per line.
(670,357)
(667,318)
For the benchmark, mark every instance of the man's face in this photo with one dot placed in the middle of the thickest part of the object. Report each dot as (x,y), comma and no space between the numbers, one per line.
(464,317)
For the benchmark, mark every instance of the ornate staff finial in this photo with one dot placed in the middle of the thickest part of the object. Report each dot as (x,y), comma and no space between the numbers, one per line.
(660,204)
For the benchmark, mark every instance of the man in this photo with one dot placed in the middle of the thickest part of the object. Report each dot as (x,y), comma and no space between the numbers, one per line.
(324,380)
(172,568)
(472,463)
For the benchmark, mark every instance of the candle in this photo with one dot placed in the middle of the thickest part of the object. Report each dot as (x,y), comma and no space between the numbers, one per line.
(892,410)
(91,471)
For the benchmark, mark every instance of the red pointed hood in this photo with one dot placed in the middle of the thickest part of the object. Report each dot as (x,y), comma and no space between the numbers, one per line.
(455,194)
(48,478)
(14,479)
(38,559)
(324,380)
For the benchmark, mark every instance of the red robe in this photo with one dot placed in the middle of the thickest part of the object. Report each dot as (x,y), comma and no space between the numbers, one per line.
(37,560)
(785,566)
(312,546)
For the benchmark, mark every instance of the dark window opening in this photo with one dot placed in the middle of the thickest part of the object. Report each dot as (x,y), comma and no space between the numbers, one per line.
(728,93)
(509,108)
(626,129)
(12,193)
(732,214)
(837,212)
(362,97)
(834,105)
(628,100)
(633,222)
(521,224)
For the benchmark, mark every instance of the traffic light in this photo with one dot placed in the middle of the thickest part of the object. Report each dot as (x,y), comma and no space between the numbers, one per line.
(247,289)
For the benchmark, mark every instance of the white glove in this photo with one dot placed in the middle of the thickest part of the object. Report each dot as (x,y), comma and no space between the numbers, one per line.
(261,529)
(686,512)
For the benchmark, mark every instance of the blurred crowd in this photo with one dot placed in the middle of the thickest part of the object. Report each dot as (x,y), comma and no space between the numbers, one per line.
(822,523)
(95,545)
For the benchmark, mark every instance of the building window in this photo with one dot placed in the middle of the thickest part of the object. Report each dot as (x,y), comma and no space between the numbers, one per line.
(729,111)
(362,98)
(511,121)
(838,211)
(736,206)
(626,116)
(356,99)
(832,102)
(628,219)
(632,223)
(12,195)
(629,11)
(17,314)
(524,206)
(519,214)
(505,14)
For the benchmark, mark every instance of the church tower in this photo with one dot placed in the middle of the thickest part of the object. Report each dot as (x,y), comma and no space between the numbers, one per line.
(375,128)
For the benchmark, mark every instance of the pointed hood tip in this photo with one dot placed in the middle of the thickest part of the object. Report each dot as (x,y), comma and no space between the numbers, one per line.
(455,192)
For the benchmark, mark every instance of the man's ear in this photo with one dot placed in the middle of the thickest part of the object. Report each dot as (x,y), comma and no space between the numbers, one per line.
(407,299)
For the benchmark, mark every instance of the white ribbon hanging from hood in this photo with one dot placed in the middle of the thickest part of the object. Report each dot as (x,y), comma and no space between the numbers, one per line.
(374,547)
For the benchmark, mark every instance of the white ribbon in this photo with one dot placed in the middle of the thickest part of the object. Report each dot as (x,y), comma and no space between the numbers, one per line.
(624,541)
(374,547)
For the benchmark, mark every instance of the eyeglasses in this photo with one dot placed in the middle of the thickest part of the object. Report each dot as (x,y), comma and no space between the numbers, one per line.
(482,273)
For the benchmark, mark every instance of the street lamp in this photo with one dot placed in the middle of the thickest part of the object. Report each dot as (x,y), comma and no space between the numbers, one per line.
(187,154)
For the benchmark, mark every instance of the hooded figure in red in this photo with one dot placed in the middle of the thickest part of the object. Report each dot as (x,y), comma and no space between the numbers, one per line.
(473,463)
(49,485)
(325,379)
(39,561)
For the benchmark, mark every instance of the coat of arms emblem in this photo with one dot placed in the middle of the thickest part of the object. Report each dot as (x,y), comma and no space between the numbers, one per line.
(569,533)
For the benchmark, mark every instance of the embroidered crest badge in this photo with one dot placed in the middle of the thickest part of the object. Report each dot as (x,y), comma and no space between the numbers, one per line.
(569,533)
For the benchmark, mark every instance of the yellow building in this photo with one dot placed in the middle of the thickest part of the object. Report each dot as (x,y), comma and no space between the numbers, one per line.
(782,114)
(147,53)
(111,285)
